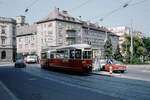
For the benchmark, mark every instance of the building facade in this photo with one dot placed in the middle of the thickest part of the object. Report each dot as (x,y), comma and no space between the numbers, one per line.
(60,29)
(27,39)
(7,39)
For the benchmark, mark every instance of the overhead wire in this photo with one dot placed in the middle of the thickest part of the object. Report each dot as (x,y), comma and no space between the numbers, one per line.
(113,11)
(129,3)
(30,5)
(79,6)
(139,2)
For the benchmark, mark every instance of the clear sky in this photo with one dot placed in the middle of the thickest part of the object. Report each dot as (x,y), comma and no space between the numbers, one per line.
(138,11)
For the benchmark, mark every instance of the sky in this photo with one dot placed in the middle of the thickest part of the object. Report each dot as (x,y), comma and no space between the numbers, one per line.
(136,14)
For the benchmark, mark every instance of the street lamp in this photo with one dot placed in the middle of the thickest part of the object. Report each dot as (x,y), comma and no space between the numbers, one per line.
(131,48)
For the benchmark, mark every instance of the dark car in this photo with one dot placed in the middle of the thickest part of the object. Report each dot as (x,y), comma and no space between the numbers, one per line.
(20,63)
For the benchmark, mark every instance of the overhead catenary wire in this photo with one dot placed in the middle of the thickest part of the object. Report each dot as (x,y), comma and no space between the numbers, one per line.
(138,2)
(129,3)
(111,12)
(79,6)
(30,5)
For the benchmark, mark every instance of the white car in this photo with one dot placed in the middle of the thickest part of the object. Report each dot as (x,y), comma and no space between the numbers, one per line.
(102,64)
(31,59)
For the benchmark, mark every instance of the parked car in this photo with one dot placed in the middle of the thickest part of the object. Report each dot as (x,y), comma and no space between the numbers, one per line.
(116,67)
(20,63)
(31,59)
(102,64)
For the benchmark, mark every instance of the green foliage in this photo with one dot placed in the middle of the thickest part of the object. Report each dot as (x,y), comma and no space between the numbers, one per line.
(117,55)
(138,49)
(146,42)
(136,60)
(108,49)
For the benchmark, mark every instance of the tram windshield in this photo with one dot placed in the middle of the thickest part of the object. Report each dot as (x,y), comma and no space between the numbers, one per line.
(87,55)
(44,55)
(79,54)
(75,54)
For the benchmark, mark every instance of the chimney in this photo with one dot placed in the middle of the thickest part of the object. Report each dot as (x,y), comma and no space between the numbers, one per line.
(64,12)
(88,23)
(97,24)
(57,11)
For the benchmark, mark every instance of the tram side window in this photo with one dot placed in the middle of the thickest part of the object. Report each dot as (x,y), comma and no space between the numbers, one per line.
(60,55)
(66,54)
(57,55)
(78,54)
(52,56)
(72,54)
(43,56)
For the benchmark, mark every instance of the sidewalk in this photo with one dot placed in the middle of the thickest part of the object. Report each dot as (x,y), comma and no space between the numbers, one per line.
(6,63)
(105,73)
(5,93)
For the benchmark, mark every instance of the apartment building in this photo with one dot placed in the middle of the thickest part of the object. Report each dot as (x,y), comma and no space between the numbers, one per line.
(7,39)
(26,39)
(59,29)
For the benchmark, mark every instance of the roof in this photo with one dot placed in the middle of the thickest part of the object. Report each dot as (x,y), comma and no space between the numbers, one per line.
(56,14)
(75,46)
(27,29)
(8,20)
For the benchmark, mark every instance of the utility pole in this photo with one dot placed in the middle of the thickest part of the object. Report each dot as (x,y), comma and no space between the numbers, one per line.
(131,48)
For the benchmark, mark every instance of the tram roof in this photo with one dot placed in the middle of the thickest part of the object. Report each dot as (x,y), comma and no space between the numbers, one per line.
(75,46)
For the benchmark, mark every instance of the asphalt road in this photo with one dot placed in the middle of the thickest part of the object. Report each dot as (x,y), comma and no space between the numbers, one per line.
(139,72)
(34,83)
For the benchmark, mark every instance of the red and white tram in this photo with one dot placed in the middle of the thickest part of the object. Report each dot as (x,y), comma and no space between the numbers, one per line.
(76,58)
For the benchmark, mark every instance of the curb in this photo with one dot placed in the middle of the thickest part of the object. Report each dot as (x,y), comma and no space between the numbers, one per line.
(6,64)
(95,73)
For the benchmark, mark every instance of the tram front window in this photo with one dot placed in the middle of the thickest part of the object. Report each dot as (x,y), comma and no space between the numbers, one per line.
(75,54)
(43,56)
(78,54)
(87,54)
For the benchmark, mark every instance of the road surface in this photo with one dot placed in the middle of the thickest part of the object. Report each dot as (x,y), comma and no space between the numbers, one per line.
(34,83)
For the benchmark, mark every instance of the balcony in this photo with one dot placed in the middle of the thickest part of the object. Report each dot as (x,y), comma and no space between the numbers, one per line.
(70,36)
(3,35)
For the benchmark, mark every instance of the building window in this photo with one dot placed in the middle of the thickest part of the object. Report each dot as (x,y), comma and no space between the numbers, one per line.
(20,39)
(3,31)
(20,46)
(3,55)
(49,32)
(32,38)
(3,41)
(26,46)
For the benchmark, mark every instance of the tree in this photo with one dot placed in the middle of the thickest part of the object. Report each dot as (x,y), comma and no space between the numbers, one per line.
(138,48)
(146,42)
(117,54)
(108,49)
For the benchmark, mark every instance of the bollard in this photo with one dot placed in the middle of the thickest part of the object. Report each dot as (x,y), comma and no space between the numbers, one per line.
(110,70)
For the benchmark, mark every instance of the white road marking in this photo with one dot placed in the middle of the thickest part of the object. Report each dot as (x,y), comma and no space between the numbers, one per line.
(8,91)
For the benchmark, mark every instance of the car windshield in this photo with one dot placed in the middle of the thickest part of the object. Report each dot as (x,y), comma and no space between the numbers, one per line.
(32,57)
(117,63)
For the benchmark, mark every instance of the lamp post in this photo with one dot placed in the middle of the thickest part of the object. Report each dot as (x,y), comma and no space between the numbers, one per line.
(131,48)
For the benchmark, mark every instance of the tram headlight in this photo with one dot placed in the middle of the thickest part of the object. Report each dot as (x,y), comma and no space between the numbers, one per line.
(83,62)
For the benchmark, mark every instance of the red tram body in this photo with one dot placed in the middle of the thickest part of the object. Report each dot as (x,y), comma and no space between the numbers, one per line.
(75,58)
